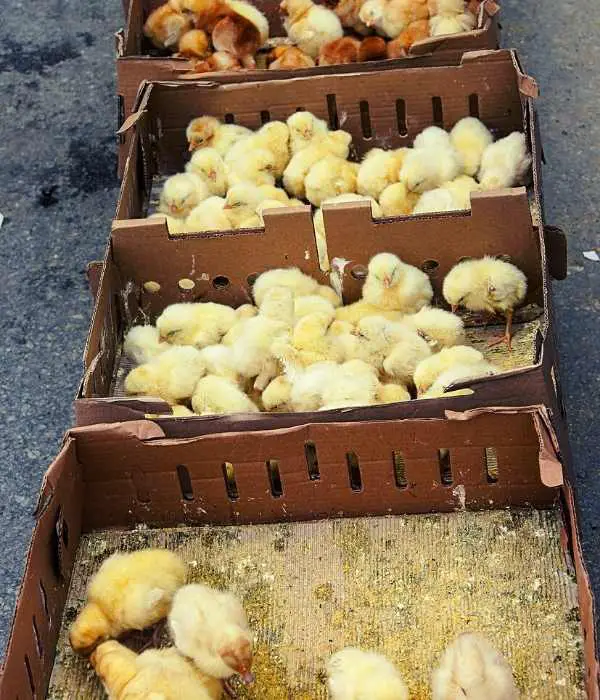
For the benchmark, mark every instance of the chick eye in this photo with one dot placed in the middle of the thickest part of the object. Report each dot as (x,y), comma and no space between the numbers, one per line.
(170,334)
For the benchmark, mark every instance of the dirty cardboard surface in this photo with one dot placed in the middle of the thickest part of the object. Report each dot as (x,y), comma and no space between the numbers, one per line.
(404,586)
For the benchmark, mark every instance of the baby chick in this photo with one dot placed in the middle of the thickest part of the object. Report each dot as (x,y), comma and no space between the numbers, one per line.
(444,24)
(278,304)
(181,193)
(398,200)
(353,313)
(353,383)
(310,26)
(471,668)
(505,162)
(171,375)
(194,44)
(430,368)
(372,48)
(217,62)
(395,286)
(307,385)
(198,324)
(210,628)
(255,166)
(128,592)
(330,177)
(219,395)
(461,189)
(305,129)
(208,164)
(435,202)
(438,327)
(142,343)
(339,51)
(415,31)
(242,32)
(489,285)
(289,58)
(390,17)
(348,12)
(209,132)
(429,167)
(242,201)
(312,304)
(470,137)
(432,137)
(165,26)
(404,357)
(311,343)
(218,360)
(372,340)
(155,673)
(291,277)
(209,215)
(392,393)
(252,351)
(458,373)
(277,394)
(379,169)
(353,674)
(174,224)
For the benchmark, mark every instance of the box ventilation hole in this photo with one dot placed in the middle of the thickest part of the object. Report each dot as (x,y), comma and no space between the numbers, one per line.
(464,257)
(44,597)
(399,470)
(474,105)
(300,109)
(29,675)
(312,460)
(354,471)
(491,465)
(274,478)
(359,272)
(185,483)
(505,258)
(251,279)
(229,118)
(334,122)
(438,112)
(36,636)
(185,284)
(230,482)
(265,116)
(221,282)
(401,117)
(365,119)
(445,468)
(430,266)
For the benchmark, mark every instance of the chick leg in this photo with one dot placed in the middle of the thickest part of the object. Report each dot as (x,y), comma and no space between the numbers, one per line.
(229,691)
(507,337)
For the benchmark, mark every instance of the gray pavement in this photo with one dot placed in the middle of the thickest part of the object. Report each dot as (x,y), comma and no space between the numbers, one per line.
(58,191)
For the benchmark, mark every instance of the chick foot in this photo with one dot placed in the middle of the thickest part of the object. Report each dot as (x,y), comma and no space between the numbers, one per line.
(229,691)
(506,338)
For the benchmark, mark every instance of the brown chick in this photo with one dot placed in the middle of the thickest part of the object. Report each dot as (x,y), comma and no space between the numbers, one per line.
(216,62)
(204,13)
(372,48)
(194,44)
(416,31)
(165,26)
(344,50)
(241,34)
(348,11)
(289,58)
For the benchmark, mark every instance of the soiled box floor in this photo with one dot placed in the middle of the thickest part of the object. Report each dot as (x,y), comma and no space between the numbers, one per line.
(402,585)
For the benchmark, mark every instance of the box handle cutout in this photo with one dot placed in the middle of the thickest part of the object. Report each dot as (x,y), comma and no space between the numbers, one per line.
(230,482)
(229,118)
(334,122)
(399,469)
(185,483)
(312,460)
(438,112)
(36,635)
(29,675)
(265,116)
(445,467)
(300,109)
(354,471)
(491,465)
(474,105)
(274,478)
(365,119)
(401,117)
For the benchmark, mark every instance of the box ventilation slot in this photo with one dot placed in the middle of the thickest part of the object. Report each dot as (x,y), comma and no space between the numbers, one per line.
(491,465)
(474,105)
(354,471)
(230,482)
(274,478)
(334,122)
(438,112)
(29,675)
(265,116)
(185,483)
(38,641)
(399,470)
(44,597)
(401,117)
(312,460)
(365,119)
(445,468)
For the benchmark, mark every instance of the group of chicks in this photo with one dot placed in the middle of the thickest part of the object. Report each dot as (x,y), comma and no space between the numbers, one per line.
(299,349)
(233,174)
(212,642)
(224,35)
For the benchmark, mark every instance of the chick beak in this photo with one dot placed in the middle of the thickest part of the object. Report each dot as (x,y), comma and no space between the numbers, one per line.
(247,677)
(193,146)
(174,209)
(212,175)
(227,206)
(387,282)
(355,332)
(454,308)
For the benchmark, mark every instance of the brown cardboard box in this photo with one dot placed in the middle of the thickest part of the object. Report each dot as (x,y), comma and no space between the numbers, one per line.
(116,476)
(221,265)
(135,65)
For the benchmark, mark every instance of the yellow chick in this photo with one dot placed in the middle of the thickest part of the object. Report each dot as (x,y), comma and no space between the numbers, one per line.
(470,137)
(171,375)
(246,311)
(198,324)
(353,673)
(181,193)
(256,166)
(252,350)
(489,285)
(386,17)
(242,200)
(209,215)
(178,411)
(353,383)
(429,167)
(174,224)
(210,628)
(209,165)
(505,163)
(307,386)
(432,137)
(330,294)
(438,327)
(278,304)
(215,395)
(395,286)
(392,393)
(165,26)
(309,26)
(277,193)
(273,137)
(472,668)
(353,313)
(372,340)
(330,177)
(218,360)
(404,357)
(319,222)
(429,369)
(460,189)
(305,129)
(209,132)
(458,373)
(291,277)
(268,204)
(336,143)
(155,673)
(277,394)
(378,170)
(312,342)
(441,25)
(243,313)
(142,343)
(397,200)
(311,304)
(128,592)
(435,202)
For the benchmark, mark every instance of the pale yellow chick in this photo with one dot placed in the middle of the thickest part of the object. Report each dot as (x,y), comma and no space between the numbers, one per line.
(311,342)
(398,200)
(458,373)
(310,26)
(277,394)
(472,668)
(305,129)
(438,327)
(252,350)
(174,224)
(353,313)
(489,285)
(429,369)
(436,201)
(255,166)
(441,25)
(390,17)
(330,177)
(215,395)
(432,137)
(209,215)
(162,674)
(181,193)
(378,170)
(505,163)
(268,204)
(307,386)
(246,311)
(209,132)
(392,393)
(393,285)
(243,199)
(404,357)
(353,383)
(210,628)
(165,26)
(142,343)
(372,340)
(128,592)
(429,167)
(291,277)
(470,137)
(209,165)
(353,674)
(218,360)
(311,304)
(460,189)
(278,304)
(273,137)
(199,324)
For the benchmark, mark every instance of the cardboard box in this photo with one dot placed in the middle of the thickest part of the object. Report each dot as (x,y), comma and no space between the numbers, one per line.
(222,265)
(116,476)
(135,64)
